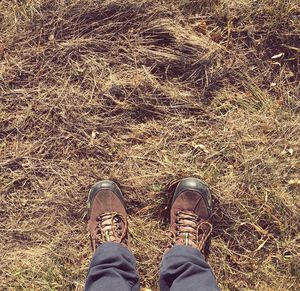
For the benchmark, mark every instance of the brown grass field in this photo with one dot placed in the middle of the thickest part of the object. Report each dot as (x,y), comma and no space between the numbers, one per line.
(147,92)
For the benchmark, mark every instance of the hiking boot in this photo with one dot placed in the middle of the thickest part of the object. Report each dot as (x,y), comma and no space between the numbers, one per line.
(107,216)
(191,208)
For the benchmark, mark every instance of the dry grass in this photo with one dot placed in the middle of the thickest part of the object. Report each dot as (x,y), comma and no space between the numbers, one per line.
(146,92)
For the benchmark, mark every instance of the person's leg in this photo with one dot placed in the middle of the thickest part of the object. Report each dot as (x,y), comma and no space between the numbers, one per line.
(113,265)
(112,268)
(184,266)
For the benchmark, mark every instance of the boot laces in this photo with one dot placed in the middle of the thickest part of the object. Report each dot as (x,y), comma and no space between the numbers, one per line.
(191,230)
(110,228)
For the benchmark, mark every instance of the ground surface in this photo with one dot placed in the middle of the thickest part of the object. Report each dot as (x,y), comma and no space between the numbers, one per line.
(145,93)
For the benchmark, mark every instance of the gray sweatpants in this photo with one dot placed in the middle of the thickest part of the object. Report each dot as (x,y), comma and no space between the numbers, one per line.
(182,268)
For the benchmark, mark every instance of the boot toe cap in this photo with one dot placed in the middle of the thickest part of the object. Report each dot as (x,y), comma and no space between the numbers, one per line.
(194,184)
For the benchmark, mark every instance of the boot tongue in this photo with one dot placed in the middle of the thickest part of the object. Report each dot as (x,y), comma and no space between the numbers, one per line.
(190,230)
(187,228)
(186,239)
(112,227)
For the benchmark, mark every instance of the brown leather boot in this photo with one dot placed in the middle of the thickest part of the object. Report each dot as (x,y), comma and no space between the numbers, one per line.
(191,207)
(107,216)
